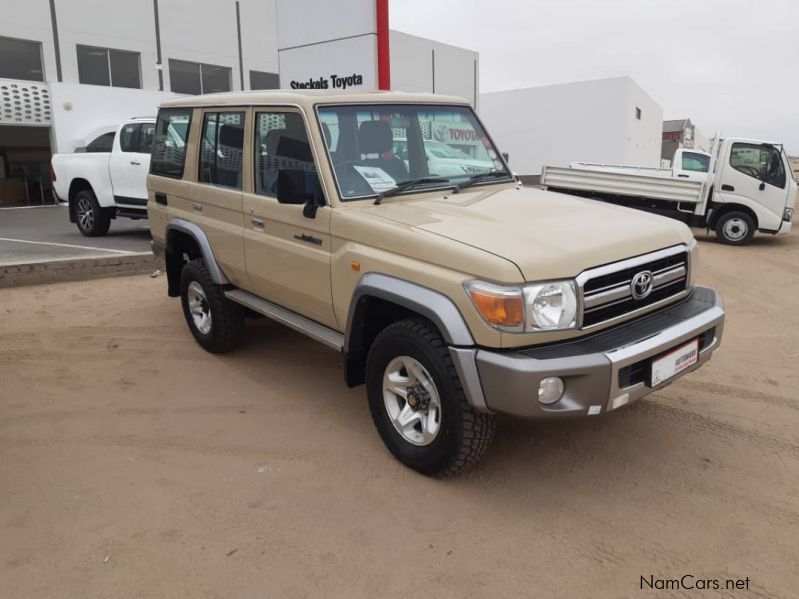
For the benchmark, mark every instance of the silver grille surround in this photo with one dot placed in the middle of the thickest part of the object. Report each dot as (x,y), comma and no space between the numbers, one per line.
(619,291)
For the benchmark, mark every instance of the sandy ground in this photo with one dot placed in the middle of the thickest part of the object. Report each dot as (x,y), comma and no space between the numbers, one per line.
(134,464)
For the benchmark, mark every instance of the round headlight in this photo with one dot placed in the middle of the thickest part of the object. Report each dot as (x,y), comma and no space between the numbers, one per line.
(555,306)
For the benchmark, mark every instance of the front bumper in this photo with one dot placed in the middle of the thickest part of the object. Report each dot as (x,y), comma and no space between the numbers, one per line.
(601,372)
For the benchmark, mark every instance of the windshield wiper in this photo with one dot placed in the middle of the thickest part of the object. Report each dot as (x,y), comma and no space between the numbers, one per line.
(478,178)
(407,185)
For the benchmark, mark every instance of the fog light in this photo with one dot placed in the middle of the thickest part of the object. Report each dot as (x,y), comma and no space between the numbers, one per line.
(550,390)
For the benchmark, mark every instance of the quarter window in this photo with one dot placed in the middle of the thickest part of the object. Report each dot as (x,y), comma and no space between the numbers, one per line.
(103,143)
(169,142)
(104,66)
(759,161)
(195,78)
(222,145)
(281,143)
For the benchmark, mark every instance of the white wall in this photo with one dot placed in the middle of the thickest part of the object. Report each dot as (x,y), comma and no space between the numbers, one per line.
(591,121)
(80,112)
(423,65)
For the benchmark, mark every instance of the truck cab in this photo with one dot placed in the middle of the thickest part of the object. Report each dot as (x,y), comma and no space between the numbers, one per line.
(107,179)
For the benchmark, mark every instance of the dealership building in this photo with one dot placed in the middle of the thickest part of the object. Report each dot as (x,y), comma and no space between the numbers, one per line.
(72,70)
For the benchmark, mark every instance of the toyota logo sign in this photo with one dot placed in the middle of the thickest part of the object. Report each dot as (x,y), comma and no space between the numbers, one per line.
(641,285)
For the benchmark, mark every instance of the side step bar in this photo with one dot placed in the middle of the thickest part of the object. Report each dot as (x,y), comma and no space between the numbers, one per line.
(306,326)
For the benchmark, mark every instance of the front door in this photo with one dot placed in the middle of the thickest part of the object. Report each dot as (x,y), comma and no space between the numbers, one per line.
(756,171)
(129,164)
(288,255)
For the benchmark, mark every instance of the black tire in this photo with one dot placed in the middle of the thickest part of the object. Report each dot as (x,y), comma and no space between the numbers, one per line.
(91,218)
(226,323)
(735,228)
(464,434)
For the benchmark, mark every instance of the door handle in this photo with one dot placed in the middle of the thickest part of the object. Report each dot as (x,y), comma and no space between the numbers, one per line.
(135,162)
(196,207)
(762,186)
(257,222)
(686,176)
(726,187)
(160,198)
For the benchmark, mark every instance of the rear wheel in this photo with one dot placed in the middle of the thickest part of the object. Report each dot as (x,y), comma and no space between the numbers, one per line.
(90,217)
(735,228)
(216,323)
(417,402)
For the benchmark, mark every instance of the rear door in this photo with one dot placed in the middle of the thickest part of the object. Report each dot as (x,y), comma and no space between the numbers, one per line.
(288,255)
(216,195)
(122,165)
(756,171)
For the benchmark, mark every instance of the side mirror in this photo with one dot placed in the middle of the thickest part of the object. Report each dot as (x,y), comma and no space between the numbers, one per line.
(291,189)
(291,186)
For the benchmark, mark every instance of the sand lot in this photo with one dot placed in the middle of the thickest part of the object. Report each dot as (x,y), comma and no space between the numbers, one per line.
(134,464)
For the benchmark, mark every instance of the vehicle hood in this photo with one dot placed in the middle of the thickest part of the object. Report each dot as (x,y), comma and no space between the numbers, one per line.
(547,235)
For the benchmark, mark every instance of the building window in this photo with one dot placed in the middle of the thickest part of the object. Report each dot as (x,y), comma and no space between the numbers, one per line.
(104,66)
(262,80)
(196,78)
(638,113)
(21,59)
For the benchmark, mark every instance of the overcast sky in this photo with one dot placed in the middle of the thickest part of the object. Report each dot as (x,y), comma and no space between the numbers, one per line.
(728,65)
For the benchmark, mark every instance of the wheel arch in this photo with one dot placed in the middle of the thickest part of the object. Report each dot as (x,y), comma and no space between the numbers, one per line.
(77,185)
(722,209)
(379,300)
(186,238)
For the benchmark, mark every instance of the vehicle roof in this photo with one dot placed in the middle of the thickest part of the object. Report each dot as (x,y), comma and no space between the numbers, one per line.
(307,98)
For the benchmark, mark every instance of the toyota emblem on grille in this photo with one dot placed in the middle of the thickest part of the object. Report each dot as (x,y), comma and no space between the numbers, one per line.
(641,285)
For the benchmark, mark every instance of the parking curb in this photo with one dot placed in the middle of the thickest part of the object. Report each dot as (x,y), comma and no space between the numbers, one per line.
(77,269)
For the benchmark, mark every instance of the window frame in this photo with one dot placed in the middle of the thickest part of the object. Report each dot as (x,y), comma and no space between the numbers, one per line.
(284,109)
(760,146)
(40,55)
(199,65)
(110,71)
(217,111)
(177,109)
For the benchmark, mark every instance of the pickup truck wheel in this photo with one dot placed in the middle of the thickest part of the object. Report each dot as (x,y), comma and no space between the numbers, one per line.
(92,220)
(735,228)
(417,402)
(216,323)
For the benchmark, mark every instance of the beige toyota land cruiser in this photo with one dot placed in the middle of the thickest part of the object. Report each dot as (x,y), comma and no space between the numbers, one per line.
(451,291)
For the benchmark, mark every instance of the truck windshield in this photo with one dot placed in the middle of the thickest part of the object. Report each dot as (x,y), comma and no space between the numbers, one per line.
(374,148)
(691,161)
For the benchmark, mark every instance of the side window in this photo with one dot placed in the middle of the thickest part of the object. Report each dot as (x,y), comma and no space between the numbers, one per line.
(221,147)
(146,133)
(759,161)
(169,142)
(128,137)
(104,143)
(691,161)
(281,143)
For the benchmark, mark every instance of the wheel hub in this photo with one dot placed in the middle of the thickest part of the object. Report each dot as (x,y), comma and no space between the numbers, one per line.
(412,401)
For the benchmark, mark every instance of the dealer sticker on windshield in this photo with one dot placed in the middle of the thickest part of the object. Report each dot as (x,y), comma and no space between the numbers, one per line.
(675,362)
(378,179)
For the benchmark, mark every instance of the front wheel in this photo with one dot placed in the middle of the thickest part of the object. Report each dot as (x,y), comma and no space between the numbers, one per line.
(417,403)
(90,217)
(735,228)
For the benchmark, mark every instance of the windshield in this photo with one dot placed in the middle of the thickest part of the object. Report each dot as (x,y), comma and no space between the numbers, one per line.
(691,161)
(374,148)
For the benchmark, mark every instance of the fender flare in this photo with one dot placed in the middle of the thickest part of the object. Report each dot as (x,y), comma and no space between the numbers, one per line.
(196,233)
(433,305)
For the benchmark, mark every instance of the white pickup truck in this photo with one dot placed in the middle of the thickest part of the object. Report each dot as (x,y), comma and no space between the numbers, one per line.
(749,187)
(108,179)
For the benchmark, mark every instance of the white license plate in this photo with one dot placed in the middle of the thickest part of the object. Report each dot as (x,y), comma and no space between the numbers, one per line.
(675,362)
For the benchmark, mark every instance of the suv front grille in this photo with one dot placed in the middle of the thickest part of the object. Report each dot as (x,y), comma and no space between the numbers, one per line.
(606,293)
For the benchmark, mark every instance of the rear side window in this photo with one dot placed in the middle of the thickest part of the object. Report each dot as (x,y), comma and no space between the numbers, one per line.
(169,142)
(102,143)
(222,145)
